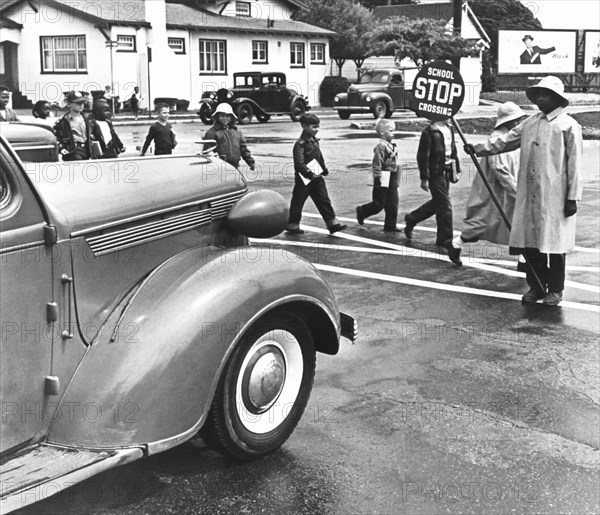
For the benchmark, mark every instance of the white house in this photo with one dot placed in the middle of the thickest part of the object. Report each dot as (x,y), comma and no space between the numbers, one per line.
(169,48)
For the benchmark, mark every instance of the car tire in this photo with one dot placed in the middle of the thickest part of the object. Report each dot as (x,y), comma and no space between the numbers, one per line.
(380,109)
(263,117)
(244,113)
(204,113)
(389,113)
(297,109)
(264,388)
(344,115)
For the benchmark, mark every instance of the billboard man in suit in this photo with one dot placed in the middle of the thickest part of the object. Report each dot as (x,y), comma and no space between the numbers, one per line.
(532,53)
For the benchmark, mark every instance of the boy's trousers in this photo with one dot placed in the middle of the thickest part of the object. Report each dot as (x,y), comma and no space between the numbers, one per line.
(317,191)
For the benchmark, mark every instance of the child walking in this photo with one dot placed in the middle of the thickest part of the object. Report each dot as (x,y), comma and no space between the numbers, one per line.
(231,144)
(161,133)
(309,170)
(385,179)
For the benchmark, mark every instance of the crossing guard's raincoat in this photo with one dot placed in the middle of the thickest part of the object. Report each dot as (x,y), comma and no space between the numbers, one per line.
(549,175)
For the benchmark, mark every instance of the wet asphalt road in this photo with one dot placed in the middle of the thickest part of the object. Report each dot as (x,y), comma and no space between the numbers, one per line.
(456,398)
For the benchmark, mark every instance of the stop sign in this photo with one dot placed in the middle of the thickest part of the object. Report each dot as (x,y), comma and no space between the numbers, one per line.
(438,91)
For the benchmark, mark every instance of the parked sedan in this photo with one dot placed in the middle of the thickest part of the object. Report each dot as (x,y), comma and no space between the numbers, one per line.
(256,94)
(135,316)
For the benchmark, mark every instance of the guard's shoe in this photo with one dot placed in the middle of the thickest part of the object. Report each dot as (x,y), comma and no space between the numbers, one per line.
(294,231)
(553,298)
(453,254)
(532,296)
(336,228)
(408,228)
(391,229)
(359,217)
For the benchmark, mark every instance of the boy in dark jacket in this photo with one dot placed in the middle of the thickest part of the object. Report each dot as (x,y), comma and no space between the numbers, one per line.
(161,133)
(73,130)
(231,144)
(103,131)
(435,156)
(309,170)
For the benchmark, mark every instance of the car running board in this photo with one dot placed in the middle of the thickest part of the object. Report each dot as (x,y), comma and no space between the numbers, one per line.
(37,472)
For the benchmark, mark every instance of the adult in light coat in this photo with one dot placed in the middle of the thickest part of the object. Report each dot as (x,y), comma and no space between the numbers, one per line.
(548,188)
(483,220)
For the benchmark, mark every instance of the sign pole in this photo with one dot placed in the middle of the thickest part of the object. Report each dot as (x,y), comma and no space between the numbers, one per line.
(493,195)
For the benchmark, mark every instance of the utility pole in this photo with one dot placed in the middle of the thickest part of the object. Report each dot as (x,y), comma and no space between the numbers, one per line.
(457,24)
(111,44)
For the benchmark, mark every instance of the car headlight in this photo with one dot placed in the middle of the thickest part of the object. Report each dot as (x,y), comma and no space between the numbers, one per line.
(336,99)
(229,94)
(212,94)
(368,98)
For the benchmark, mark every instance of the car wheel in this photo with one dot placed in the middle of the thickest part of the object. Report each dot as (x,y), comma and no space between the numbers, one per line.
(297,109)
(244,113)
(389,113)
(204,113)
(263,117)
(344,115)
(379,109)
(263,389)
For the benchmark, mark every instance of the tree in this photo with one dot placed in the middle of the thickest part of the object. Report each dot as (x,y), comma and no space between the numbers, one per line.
(350,20)
(421,40)
(495,15)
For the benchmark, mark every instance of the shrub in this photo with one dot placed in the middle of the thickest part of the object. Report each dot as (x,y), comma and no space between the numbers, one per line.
(330,87)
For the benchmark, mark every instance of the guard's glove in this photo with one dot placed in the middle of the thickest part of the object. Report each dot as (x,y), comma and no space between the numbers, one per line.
(469,149)
(325,172)
(570,208)
(251,166)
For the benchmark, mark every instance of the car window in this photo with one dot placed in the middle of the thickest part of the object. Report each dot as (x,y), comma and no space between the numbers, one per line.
(396,80)
(379,77)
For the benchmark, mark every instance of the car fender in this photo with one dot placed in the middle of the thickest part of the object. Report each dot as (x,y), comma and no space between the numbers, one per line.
(255,107)
(209,102)
(376,96)
(341,100)
(150,376)
(300,98)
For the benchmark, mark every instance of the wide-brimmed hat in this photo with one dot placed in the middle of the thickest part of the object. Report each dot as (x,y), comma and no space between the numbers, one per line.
(527,36)
(75,97)
(224,108)
(553,84)
(508,112)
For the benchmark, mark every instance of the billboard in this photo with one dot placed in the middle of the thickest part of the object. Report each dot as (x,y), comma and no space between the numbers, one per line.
(537,51)
(591,52)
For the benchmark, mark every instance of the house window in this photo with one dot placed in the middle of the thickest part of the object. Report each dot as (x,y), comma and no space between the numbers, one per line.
(242,8)
(125,43)
(317,53)
(297,55)
(259,52)
(212,56)
(63,54)
(177,44)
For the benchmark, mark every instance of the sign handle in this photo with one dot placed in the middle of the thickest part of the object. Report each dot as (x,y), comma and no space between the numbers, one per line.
(494,198)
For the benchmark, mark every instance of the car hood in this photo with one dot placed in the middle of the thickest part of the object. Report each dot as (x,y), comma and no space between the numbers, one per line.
(92,195)
(366,87)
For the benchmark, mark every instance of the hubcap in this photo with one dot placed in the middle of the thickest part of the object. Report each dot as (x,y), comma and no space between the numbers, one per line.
(269,381)
(265,377)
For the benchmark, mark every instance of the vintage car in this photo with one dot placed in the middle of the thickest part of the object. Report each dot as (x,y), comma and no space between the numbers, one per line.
(255,94)
(135,316)
(379,91)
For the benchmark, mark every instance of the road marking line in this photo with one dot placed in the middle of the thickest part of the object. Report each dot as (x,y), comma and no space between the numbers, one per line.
(446,287)
(419,253)
(588,250)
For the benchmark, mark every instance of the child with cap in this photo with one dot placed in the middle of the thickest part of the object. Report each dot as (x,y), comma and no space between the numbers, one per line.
(161,133)
(73,130)
(231,144)
(385,179)
(548,187)
(307,183)
(483,220)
